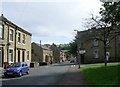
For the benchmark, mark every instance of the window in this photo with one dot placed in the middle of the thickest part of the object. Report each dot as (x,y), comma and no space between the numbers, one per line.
(1,31)
(19,37)
(11,35)
(25,64)
(23,39)
(96,53)
(10,55)
(119,38)
(107,42)
(95,42)
(27,55)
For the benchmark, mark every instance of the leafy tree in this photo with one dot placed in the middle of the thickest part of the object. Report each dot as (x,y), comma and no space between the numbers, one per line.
(111,13)
(73,48)
(64,47)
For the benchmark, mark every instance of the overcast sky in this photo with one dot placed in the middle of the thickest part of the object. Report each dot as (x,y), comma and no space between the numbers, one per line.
(51,21)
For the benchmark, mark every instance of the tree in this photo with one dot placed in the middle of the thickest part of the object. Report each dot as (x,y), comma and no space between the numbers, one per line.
(73,48)
(111,13)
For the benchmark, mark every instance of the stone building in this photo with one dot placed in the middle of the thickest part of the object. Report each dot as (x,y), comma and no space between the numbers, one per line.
(62,56)
(41,53)
(56,53)
(15,43)
(94,49)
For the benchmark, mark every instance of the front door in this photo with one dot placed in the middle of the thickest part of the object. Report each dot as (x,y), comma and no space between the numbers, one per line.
(23,56)
(18,55)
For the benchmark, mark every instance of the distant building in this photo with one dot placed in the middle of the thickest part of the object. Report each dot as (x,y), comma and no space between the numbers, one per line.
(94,49)
(36,53)
(62,56)
(15,43)
(41,53)
(47,54)
(56,53)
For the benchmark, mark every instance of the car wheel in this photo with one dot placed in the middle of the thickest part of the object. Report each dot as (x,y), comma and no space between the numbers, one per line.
(20,74)
(5,76)
(28,72)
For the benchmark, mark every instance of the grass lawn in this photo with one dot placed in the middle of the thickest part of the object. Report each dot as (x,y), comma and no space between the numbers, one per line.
(98,74)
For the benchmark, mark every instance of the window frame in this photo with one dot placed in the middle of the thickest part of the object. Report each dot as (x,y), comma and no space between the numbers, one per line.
(95,42)
(19,38)
(11,60)
(96,53)
(23,38)
(11,34)
(1,27)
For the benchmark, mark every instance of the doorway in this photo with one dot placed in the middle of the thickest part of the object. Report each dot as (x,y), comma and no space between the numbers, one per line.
(23,56)
(18,55)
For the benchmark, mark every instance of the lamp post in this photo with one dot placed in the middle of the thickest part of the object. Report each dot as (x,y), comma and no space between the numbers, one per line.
(78,59)
(80,50)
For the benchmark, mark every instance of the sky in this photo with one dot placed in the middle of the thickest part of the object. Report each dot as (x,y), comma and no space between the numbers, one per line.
(51,21)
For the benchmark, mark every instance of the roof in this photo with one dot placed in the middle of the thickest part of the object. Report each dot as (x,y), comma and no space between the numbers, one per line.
(43,46)
(14,25)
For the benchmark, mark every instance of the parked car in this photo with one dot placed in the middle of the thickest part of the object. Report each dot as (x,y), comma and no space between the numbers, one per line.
(16,69)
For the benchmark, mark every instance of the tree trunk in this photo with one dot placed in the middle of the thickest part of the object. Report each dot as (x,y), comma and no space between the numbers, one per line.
(105,60)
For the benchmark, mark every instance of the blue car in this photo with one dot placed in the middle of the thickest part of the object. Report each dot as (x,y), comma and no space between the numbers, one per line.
(17,69)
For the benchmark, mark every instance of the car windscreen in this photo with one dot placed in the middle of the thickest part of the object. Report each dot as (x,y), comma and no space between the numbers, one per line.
(15,65)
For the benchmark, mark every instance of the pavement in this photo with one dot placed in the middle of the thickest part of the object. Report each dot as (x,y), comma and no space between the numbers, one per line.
(74,77)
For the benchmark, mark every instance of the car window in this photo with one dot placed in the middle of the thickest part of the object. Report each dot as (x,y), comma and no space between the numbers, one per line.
(23,65)
(15,65)
(18,64)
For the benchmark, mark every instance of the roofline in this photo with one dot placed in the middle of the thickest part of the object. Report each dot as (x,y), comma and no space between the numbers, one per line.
(42,46)
(14,25)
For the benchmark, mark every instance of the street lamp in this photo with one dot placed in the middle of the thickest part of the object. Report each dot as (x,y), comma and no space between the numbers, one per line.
(78,50)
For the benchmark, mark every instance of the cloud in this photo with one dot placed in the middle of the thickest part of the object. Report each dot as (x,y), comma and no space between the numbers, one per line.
(48,0)
(50,20)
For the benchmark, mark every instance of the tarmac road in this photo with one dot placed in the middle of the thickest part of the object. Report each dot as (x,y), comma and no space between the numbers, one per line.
(45,75)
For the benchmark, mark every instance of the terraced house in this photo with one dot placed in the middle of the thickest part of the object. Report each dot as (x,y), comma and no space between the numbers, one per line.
(15,43)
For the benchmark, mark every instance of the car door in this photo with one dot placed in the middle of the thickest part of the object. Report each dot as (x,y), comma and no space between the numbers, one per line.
(26,67)
(23,68)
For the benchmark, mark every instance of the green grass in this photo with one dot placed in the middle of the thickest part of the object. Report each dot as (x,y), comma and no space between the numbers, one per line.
(98,74)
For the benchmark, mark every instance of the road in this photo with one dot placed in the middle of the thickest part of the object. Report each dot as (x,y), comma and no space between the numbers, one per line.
(43,75)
